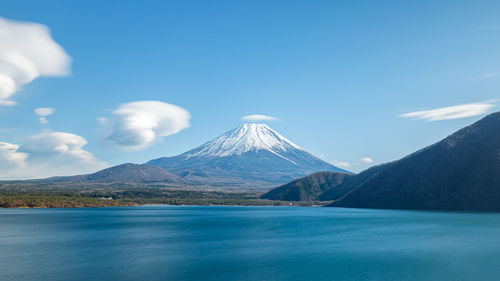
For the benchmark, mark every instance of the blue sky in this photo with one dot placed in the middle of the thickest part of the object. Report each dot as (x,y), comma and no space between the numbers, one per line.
(336,74)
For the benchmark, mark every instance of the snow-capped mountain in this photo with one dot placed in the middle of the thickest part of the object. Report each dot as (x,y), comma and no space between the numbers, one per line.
(250,156)
(247,137)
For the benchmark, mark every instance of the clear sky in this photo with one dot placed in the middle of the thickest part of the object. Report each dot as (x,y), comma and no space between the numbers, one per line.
(337,76)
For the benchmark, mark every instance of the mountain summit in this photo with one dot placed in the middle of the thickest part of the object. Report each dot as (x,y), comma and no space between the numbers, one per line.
(250,156)
(245,138)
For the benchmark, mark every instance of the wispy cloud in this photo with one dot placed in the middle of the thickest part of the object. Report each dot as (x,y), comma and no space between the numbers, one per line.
(6,102)
(258,118)
(451,112)
(488,75)
(27,51)
(139,124)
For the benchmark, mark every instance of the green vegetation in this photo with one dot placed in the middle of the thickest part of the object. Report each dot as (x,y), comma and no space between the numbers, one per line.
(33,201)
(31,195)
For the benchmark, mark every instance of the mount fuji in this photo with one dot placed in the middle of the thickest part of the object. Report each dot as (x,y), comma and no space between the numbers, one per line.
(251,156)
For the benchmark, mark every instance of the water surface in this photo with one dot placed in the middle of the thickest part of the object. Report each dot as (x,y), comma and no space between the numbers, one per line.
(247,243)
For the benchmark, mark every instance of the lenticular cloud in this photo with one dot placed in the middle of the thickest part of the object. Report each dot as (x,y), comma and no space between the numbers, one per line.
(47,154)
(138,124)
(258,118)
(27,51)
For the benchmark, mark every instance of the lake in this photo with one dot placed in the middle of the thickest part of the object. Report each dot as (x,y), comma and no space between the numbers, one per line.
(247,243)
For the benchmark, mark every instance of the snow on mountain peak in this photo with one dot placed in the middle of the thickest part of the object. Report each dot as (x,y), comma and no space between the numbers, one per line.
(247,137)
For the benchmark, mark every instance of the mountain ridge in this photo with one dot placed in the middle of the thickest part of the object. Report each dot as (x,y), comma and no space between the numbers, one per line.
(460,172)
(127,172)
(308,188)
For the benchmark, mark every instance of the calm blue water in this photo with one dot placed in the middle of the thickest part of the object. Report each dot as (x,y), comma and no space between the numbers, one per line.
(247,243)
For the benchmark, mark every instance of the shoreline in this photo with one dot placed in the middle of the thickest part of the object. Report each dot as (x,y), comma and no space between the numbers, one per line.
(294,204)
(61,197)
(166,205)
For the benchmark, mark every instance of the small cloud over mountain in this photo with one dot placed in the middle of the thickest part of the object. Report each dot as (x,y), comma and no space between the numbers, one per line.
(451,112)
(258,118)
(139,124)
(354,164)
(366,160)
(343,164)
(27,51)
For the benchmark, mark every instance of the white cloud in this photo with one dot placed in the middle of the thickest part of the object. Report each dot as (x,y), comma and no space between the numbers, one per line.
(343,164)
(10,158)
(138,124)
(489,75)
(258,118)
(451,112)
(366,160)
(47,154)
(44,111)
(27,51)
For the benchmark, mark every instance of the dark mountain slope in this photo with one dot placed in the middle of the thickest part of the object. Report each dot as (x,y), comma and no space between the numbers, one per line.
(352,183)
(461,172)
(308,188)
